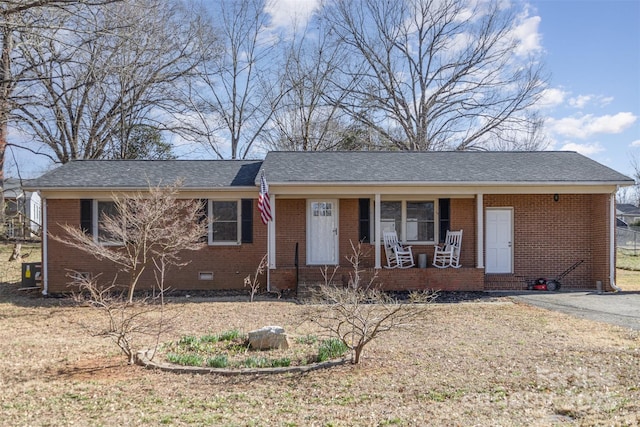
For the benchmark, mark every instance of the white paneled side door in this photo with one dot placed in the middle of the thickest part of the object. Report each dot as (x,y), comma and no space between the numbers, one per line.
(499,235)
(322,232)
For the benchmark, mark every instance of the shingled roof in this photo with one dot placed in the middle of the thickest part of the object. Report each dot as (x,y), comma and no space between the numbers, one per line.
(561,167)
(339,168)
(139,174)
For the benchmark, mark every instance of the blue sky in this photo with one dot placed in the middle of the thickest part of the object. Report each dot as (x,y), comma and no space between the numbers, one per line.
(592,52)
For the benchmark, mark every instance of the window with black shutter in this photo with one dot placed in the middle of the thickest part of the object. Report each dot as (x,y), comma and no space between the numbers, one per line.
(247,221)
(364,220)
(444,208)
(86,216)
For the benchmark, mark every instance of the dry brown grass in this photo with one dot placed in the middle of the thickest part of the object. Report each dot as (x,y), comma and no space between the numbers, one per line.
(494,363)
(482,363)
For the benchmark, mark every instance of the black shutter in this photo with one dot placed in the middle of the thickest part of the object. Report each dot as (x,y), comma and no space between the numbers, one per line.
(444,209)
(86,216)
(203,218)
(364,220)
(247,221)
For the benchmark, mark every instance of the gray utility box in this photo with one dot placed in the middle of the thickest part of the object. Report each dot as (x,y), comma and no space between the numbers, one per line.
(31,274)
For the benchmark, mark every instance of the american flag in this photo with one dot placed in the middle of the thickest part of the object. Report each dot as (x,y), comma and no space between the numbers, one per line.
(264,204)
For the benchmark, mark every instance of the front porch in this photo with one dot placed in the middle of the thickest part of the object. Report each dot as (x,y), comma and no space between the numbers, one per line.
(447,279)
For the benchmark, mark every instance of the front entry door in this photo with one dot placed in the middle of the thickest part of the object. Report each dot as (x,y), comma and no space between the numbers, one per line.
(499,248)
(322,232)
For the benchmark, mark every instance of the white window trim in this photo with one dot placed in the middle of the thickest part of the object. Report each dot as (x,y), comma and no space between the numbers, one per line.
(94,223)
(403,219)
(210,220)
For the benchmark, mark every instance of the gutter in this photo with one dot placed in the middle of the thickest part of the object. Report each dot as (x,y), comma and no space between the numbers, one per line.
(446,183)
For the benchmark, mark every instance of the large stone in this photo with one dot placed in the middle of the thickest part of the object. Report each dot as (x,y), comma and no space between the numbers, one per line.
(268,338)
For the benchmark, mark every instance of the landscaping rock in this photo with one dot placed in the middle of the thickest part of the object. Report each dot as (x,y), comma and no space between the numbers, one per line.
(268,338)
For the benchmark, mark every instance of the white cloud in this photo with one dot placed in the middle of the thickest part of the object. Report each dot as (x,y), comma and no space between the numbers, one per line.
(528,36)
(291,13)
(584,149)
(580,101)
(585,126)
(635,143)
(552,97)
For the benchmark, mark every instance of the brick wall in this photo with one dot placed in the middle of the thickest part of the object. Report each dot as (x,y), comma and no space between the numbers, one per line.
(229,264)
(550,236)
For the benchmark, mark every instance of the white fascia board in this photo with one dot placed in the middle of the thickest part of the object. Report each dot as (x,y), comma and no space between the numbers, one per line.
(448,190)
(448,183)
(97,193)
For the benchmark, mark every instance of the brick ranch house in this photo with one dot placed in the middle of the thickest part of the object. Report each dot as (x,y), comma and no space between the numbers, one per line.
(523,214)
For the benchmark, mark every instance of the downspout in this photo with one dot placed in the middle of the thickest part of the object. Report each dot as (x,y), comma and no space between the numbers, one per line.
(45,251)
(612,242)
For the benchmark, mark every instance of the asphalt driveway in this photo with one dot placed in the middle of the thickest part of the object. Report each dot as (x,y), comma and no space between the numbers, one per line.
(620,308)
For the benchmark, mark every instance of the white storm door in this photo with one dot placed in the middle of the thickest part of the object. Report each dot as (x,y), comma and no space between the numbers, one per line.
(499,235)
(322,232)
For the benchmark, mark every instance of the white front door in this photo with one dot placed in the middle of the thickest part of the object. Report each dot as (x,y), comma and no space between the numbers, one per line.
(322,232)
(499,235)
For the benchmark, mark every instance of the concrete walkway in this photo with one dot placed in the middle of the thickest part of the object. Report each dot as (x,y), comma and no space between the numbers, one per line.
(621,308)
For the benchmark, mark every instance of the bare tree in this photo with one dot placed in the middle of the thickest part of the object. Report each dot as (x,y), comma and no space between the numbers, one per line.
(435,74)
(14,22)
(306,119)
(89,90)
(238,92)
(147,229)
(635,164)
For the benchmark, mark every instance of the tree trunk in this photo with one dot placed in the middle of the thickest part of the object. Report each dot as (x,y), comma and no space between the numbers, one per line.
(16,255)
(6,86)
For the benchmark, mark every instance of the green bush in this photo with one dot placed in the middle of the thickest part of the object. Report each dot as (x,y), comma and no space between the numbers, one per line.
(229,335)
(218,361)
(330,349)
(185,359)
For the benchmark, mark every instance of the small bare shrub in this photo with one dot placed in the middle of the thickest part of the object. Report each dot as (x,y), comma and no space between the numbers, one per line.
(123,322)
(254,284)
(359,313)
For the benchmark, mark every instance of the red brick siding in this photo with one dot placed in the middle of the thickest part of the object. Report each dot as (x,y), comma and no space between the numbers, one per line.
(550,236)
(291,225)
(230,264)
(600,242)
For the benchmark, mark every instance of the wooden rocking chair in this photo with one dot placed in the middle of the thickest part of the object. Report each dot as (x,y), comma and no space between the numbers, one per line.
(448,255)
(398,256)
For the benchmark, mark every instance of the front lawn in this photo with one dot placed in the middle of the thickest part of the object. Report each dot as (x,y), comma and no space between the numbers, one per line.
(481,363)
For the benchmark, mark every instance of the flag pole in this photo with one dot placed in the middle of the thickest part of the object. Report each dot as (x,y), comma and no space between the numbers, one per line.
(266,215)
(268,259)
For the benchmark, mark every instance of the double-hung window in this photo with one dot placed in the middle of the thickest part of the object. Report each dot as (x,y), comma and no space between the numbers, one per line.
(412,220)
(224,224)
(102,209)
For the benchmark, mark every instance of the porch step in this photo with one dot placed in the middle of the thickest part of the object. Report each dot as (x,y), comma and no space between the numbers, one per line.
(307,291)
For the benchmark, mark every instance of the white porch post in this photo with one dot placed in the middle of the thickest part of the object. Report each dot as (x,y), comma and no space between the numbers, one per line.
(45,249)
(271,234)
(480,228)
(376,228)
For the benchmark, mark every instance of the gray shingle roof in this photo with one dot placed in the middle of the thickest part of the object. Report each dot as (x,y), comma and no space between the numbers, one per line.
(465,168)
(437,167)
(138,174)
